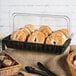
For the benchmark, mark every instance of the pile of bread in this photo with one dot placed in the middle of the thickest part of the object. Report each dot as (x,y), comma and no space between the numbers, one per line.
(44,34)
(5,61)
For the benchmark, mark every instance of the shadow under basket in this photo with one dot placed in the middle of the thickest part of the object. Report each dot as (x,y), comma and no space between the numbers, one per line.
(11,70)
(54,49)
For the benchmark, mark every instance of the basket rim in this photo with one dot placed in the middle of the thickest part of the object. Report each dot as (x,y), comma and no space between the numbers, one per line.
(11,67)
(33,43)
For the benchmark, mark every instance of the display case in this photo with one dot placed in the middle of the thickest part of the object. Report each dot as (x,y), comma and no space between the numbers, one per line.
(55,22)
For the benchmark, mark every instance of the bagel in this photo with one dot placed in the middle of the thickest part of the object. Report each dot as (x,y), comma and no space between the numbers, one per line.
(7,62)
(65,31)
(26,30)
(14,35)
(46,30)
(36,37)
(30,27)
(56,38)
(20,35)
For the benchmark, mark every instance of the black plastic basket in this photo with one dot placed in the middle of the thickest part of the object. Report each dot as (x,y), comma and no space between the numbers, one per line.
(54,49)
